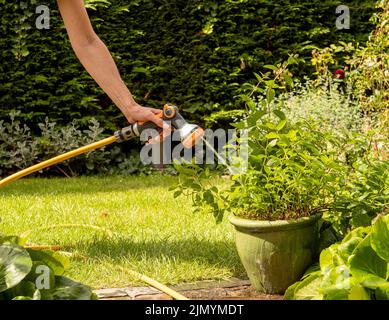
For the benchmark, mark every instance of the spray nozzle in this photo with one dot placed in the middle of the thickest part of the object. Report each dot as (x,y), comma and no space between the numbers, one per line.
(189,133)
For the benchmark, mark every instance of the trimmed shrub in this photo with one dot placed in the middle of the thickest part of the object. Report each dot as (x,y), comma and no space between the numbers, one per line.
(195,54)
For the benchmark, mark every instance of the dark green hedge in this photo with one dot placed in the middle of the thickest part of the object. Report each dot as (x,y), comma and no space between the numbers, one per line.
(193,53)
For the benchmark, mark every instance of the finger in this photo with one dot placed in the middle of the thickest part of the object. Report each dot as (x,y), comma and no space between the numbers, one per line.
(160,123)
(155,111)
(154,140)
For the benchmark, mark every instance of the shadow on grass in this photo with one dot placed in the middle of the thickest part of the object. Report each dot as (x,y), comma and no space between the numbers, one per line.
(85,185)
(203,251)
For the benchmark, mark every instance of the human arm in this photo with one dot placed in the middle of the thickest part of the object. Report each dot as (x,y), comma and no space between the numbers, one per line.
(97,60)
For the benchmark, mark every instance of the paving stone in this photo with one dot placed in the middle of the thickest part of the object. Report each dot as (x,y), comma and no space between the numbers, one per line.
(232,289)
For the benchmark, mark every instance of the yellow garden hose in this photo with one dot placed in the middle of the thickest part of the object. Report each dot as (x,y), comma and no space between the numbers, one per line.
(96,145)
(58,159)
(154,283)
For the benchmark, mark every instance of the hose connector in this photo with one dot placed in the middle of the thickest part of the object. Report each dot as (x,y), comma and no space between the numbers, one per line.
(127,133)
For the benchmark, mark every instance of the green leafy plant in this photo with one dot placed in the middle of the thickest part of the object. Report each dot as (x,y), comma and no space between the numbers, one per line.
(21,272)
(292,172)
(354,269)
(292,168)
(300,162)
(20,148)
(328,103)
(364,196)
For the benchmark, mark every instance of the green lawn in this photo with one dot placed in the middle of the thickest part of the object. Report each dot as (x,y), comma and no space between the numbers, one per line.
(155,234)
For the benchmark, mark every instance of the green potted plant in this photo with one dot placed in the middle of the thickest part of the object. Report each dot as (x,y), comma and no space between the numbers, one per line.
(274,204)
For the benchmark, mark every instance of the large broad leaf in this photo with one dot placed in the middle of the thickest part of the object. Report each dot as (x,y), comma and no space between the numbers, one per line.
(67,289)
(22,298)
(346,248)
(382,292)
(12,240)
(359,293)
(336,283)
(380,237)
(373,283)
(42,275)
(366,264)
(360,232)
(22,291)
(308,289)
(336,294)
(56,261)
(289,293)
(15,264)
(330,258)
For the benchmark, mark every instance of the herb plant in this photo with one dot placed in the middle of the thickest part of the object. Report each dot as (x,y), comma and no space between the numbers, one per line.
(292,172)
(292,167)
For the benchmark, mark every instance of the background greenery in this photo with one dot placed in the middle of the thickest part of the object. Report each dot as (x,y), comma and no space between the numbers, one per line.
(193,53)
(220,61)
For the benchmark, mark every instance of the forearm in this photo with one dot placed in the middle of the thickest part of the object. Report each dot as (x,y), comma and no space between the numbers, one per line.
(97,60)
(99,63)
(94,55)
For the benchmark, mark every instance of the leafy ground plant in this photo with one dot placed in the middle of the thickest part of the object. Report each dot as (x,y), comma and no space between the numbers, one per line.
(364,196)
(357,268)
(28,274)
(20,148)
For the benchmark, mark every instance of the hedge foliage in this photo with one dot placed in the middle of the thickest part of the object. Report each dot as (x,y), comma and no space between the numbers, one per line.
(194,53)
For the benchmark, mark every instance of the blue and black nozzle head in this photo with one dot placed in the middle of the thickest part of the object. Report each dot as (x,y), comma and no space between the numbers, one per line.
(189,133)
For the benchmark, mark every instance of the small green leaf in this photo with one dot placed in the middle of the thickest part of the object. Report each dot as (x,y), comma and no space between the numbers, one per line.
(271,67)
(272,135)
(288,79)
(259,78)
(280,114)
(281,125)
(273,143)
(292,60)
(270,93)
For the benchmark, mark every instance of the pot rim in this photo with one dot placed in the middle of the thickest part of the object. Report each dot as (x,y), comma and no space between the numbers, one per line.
(269,225)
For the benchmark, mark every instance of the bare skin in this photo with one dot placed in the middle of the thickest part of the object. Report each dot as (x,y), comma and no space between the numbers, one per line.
(97,60)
